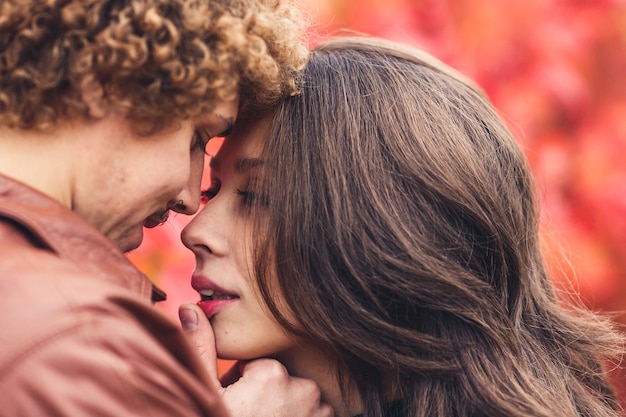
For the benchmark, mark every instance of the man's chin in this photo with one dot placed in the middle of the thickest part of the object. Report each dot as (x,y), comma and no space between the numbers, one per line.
(131,241)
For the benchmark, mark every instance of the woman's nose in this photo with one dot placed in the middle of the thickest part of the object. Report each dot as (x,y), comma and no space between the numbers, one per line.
(203,233)
(189,236)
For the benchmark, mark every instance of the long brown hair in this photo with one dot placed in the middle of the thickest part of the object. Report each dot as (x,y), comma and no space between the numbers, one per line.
(403,233)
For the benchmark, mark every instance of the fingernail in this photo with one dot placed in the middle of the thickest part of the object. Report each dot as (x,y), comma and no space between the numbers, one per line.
(188,318)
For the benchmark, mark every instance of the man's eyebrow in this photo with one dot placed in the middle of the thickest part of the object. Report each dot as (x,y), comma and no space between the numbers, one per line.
(243,165)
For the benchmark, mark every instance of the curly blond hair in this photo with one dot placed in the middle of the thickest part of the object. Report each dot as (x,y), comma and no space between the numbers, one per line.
(156,60)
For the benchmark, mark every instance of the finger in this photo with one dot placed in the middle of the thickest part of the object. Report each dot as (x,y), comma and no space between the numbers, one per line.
(266,389)
(326,410)
(200,333)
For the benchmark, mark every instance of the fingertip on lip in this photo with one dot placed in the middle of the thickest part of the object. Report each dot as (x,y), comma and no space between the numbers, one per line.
(188,316)
(212,307)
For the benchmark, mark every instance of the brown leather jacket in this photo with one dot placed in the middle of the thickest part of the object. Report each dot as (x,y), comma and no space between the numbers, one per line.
(78,333)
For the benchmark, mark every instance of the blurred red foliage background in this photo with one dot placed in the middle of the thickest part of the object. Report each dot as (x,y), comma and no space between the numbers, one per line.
(556,70)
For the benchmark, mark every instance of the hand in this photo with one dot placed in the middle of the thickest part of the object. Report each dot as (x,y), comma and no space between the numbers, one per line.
(265,388)
(259,388)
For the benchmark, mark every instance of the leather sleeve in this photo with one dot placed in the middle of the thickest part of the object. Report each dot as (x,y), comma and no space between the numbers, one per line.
(106,366)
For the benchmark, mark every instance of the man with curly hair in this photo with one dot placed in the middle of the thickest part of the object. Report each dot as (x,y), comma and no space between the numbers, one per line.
(105,110)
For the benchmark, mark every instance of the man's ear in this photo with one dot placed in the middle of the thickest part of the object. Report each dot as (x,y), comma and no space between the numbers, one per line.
(92,94)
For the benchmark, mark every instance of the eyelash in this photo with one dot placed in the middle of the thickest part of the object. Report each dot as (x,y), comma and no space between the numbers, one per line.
(201,139)
(249,197)
(226,132)
(209,193)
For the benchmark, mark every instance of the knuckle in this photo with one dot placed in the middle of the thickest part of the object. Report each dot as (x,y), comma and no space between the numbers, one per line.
(327,411)
(276,370)
(311,389)
(268,369)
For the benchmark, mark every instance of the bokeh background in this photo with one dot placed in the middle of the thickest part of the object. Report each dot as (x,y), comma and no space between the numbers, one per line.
(556,70)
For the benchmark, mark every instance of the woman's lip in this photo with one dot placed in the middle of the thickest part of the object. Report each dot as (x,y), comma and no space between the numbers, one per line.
(199,283)
(211,306)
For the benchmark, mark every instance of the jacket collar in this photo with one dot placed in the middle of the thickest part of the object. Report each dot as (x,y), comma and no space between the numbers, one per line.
(55,227)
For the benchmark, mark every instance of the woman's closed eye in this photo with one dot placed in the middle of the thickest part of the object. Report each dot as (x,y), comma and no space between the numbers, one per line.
(252,198)
(249,197)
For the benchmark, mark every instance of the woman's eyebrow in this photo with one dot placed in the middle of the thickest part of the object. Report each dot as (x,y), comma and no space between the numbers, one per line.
(243,165)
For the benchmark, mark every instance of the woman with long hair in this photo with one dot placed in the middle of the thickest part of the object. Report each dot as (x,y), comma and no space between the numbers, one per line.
(379,234)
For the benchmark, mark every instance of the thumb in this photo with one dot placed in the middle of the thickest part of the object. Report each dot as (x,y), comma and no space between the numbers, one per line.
(200,333)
